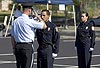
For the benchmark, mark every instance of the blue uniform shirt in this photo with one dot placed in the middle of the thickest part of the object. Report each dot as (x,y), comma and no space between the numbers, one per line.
(23,28)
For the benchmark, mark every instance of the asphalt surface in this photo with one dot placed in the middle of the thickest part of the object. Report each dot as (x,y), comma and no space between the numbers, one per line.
(66,58)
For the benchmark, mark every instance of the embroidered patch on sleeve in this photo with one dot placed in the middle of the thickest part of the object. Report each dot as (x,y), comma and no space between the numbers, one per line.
(56,29)
(92,27)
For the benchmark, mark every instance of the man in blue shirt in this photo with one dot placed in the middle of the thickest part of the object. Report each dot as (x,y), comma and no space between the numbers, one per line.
(22,37)
(17,12)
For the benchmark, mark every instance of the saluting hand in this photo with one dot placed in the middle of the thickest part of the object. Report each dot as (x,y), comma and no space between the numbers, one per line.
(36,14)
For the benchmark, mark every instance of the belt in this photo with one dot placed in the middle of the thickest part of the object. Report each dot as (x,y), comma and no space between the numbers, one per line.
(44,46)
(24,42)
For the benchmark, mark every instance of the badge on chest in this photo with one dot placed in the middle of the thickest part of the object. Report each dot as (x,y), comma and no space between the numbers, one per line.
(49,29)
(86,27)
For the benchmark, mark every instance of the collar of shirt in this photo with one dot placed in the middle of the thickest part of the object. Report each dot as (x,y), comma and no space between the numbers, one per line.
(25,15)
(84,23)
(17,13)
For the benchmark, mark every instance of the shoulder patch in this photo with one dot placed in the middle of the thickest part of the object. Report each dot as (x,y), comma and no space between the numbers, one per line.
(56,29)
(92,27)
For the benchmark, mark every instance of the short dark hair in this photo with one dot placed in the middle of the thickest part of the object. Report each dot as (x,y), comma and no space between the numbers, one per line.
(27,7)
(18,7)
(47,11)
(83,12)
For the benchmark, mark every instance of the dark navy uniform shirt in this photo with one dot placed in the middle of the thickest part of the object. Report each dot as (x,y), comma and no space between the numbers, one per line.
(85,31)
(49,36)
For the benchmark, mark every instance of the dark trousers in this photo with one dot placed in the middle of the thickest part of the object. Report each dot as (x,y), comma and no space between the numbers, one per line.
(24,55)
(44,57)
(84,56)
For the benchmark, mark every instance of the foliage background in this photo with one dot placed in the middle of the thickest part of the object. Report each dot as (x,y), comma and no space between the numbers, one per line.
(90,6)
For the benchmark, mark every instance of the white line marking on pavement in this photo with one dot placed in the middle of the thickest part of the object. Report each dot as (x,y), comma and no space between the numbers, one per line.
(6,54)
(11,54)
(59,65)
(66,57)
(74,57)
(5,62)
(96,65)
(57,58)
(73,40)
(70,57)
(67,40)
(71,66)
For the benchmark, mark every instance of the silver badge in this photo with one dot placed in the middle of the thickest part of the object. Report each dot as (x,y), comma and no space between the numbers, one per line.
(87,27)
(48,28)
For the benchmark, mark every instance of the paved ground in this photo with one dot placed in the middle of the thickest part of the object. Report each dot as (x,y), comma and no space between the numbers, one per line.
(66,58)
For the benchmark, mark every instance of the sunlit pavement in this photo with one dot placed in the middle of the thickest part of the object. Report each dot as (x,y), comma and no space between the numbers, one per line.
(67,54)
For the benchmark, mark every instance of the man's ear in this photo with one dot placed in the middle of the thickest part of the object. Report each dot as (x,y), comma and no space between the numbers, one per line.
(30,10)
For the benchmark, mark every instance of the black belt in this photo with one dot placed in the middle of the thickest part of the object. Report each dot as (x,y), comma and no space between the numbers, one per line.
(44,46)
(24,42)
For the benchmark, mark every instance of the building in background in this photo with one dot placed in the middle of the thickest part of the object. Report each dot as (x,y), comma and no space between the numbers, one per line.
(4,5)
